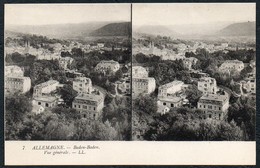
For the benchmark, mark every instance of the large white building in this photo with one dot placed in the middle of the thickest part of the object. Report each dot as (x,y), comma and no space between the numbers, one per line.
(231,65)
(143,85)
(170,89)
(18,84)
(14,70)
(45,88)
(107,66)
(89,105)
(214,106)
(82,85)
(169,94)
(45,101)
(207,85)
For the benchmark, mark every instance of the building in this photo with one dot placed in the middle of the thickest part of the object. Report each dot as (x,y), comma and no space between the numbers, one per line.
(18,84)
(107,66)
(214,106)
(232,65)
(45,88)
(46,101)
(124,85)
(143,85)
(207,85)
(89,105)
(14,70)
(171,101)
(170,89)
(82,85)
(65,62)
(249,85)
(139,72)
(162,109)
(37,109)
(189,62)
(100,45)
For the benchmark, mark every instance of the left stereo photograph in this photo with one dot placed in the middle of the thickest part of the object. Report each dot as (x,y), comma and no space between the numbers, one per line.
(67,72)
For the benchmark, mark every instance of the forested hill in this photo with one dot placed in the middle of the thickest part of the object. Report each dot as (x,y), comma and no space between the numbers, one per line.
(113,29)
(239,29)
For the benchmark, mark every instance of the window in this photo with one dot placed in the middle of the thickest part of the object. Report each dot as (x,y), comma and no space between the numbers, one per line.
(75,106)
(204,106)
(94,108)
(80,85)
(39,103)
(209,106)
(172,105)
(47,105)
(209,115)
(164,104)
(79,106)
(219,116)
(219,108)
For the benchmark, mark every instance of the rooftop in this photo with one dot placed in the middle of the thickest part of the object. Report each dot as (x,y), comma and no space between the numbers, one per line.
(18,77)
(233,62)
(215,97)
(174,99)
(171,84)
(91,97)
(49,82)
(45,98)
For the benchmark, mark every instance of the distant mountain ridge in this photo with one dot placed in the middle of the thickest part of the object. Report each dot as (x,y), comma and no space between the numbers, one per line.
(239,29)
(66,31)
(113,29)
(156,30)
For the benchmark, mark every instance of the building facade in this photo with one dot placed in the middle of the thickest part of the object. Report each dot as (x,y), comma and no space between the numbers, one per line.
(82,85)
(46,101)
(171,102)
(89,105)
(14,70)
(189,62)
(232,65)
(107,66)
(249,85)
(18,84)
(207,85)
(143,86)
(170,89)
(139,72)
(214,106)
(65,62)
(45,88)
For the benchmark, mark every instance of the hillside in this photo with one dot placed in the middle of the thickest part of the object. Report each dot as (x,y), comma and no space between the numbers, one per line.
(59,30)
(156,30)
(239,29)
(113,29)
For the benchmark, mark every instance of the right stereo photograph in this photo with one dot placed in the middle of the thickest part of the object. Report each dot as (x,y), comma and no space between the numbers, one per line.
(194,72)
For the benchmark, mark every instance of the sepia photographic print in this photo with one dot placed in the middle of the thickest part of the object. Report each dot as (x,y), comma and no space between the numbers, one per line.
(130,84)
(194,72)
(67,72)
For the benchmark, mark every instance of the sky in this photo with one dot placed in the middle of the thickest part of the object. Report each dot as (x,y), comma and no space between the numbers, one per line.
(191,13)
(42,14)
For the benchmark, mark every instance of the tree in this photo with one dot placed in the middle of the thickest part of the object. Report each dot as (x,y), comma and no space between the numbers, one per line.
(146,104)
(193,95)
(67,94)
(16,107)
